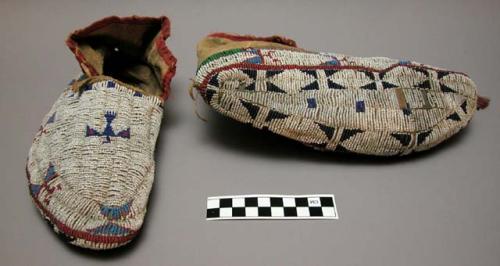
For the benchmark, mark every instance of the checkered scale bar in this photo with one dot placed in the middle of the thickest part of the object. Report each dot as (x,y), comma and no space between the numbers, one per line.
(272,207)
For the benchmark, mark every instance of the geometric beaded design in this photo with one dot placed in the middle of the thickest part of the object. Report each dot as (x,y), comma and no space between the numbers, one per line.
(376,106)
(80,170)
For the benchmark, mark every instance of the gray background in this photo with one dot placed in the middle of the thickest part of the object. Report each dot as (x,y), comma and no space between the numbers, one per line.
(436,208)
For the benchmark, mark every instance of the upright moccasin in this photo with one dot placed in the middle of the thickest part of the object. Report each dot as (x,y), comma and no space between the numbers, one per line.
(91,166)
(374,105)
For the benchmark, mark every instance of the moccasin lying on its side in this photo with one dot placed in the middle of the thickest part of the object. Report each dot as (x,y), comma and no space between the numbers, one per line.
(375,105)
(91,166)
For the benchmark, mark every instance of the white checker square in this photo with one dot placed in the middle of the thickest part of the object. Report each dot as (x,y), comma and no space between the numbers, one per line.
(289,202)
(314,202)
(264,202)
(303,211)
(226,212)
(277,212)
(252,211)
(239,202)
(212,203)
(328,211)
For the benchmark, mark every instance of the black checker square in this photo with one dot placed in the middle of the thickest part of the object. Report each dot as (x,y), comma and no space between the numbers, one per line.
(290,211)
(276,202)
(326,201)
(251,202)
(265,211)
(239,212)
(301,202)
(226,203)
(315,211)
(213,213)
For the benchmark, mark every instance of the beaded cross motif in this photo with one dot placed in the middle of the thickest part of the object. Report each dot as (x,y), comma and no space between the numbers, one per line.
(108,131)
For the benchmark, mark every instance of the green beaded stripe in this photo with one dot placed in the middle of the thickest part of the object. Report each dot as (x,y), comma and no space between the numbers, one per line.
(219,55)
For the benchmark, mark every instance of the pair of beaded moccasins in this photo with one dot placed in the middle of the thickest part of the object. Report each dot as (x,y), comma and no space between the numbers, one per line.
(91,165)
